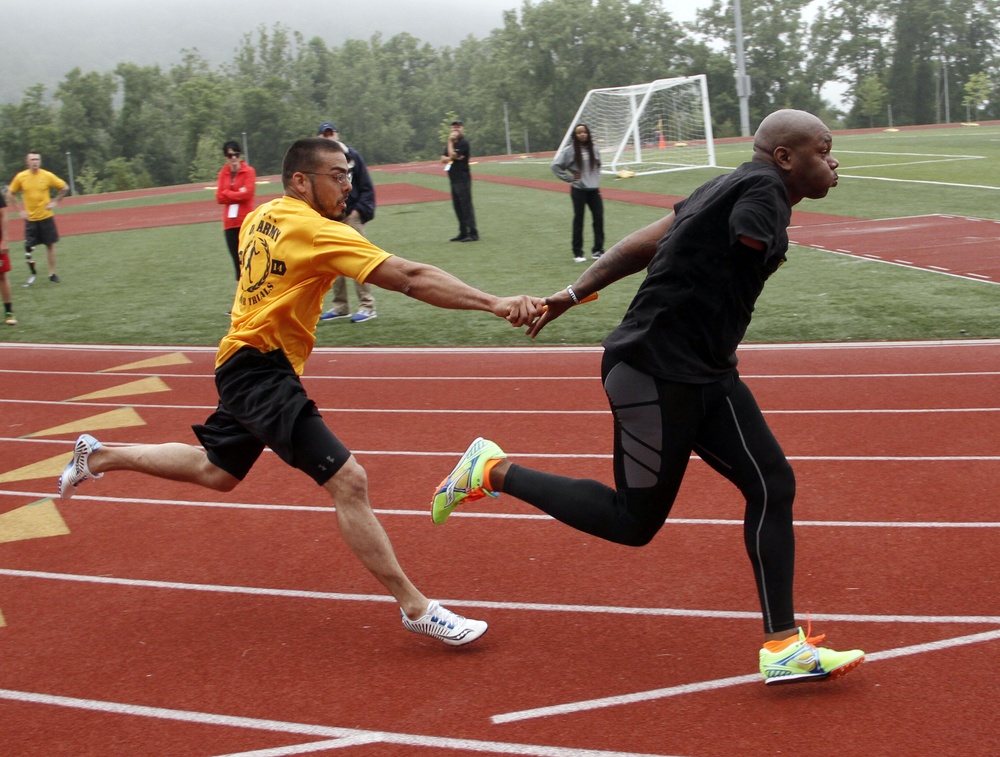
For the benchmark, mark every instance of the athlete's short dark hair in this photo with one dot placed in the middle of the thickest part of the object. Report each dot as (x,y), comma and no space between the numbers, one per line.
(307,155)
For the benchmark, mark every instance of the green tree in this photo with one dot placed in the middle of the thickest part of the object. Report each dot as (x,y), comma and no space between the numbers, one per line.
(871,98)
(29,125)
(976,94)
(774,36)
(852,37)
(86,116)
(146,125)
(542,63)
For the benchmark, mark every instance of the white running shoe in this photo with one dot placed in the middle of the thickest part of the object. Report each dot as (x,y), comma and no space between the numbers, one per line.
(441,623)
(77,470)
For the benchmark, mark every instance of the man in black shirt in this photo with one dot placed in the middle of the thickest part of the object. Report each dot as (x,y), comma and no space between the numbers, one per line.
(456,160)
(669,372)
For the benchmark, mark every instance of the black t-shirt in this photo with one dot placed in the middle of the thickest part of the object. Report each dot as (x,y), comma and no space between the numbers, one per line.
(691,312)
(459,168)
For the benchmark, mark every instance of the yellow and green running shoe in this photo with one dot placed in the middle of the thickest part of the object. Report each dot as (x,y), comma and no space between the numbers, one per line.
(798,659)
(467,482)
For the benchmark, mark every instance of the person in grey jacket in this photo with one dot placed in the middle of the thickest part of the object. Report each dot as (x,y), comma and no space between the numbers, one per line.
(580,164)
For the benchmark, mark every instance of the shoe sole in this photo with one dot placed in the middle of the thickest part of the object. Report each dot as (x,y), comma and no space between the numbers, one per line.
(440,515)
(464,640)
(812,677)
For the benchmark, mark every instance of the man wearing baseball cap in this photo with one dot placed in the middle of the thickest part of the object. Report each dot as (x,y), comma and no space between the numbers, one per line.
(456,160)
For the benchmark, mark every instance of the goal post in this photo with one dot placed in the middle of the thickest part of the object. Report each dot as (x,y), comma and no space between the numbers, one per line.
(664,125)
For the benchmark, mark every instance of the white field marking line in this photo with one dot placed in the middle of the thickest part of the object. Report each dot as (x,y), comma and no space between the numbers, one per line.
(649,612)
(877,221)
(911,154)
(906,163)
(608,456)
(538,411)
(309,747)
(334,352)
(694,688)
(521,379)
(307,729)
(901,164)
(918,181)
(422,513)
(329,351)
(877,259)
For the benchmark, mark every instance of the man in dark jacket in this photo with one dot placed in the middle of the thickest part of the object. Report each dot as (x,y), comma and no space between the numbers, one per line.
(360,210)
(456,160)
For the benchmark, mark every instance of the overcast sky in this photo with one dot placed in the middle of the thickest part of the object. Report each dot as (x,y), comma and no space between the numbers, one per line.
(42,40)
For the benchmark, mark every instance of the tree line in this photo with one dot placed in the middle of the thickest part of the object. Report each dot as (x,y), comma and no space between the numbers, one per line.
(902,62)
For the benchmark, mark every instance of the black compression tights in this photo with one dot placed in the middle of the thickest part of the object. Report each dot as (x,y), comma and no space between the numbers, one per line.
(657,426)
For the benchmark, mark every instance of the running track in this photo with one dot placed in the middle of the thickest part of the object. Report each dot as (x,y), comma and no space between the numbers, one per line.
(151,618)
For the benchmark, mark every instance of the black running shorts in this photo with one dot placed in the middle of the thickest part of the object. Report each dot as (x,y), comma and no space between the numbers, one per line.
(40,233)
(262,403)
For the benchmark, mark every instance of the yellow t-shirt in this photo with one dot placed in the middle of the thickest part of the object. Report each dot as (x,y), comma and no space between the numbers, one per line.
(34,189)
(290,257)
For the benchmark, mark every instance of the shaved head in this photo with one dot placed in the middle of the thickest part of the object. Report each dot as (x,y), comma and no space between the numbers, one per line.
(786,128)
(799,145)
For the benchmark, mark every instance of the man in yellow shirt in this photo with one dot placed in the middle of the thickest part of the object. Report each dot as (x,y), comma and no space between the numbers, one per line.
(35,185)
(292,249)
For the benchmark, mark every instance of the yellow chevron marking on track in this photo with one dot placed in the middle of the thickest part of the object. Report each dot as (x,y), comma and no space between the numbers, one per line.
(49,468)
(34,521)
(174,358)
(149,385)
(120,418)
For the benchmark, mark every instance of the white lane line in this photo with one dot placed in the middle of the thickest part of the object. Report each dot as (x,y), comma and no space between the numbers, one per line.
(657,612)
(422,512)
(356,736)
(720,683)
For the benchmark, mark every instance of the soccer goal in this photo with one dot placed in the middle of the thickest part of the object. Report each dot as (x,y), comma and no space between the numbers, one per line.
(665,125)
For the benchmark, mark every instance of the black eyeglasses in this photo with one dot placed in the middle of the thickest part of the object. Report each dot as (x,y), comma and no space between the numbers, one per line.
(232,154)
(341,176)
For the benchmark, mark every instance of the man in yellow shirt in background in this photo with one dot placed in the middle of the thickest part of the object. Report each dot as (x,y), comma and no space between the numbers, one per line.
(292,249)
(35,185)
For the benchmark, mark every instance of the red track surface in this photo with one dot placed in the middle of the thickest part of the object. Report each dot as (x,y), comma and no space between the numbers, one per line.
(954,245)
(171,621)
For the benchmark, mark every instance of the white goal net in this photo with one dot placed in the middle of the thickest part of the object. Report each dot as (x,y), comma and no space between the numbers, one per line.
(665,125)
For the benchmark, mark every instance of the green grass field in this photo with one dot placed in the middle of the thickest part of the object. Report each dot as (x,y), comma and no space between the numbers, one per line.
(172,286)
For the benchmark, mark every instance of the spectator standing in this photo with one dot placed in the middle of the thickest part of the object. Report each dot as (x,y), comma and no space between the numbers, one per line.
(456,160)
(5,293)
(360,210)
(580,164)
(235,188)
(35,185)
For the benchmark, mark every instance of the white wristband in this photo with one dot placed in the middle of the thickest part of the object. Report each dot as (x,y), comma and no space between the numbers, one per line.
(572,295)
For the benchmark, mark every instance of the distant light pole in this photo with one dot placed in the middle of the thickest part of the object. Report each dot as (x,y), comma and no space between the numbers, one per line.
(246,153)
(506,126)
(742,80)
(69,164)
